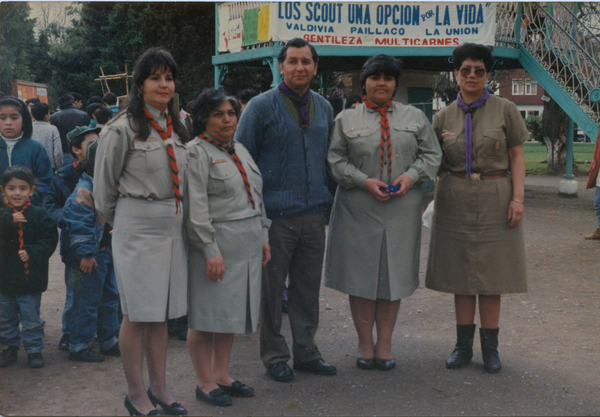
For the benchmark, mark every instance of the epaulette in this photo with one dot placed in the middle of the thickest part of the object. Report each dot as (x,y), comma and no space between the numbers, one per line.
(113,128)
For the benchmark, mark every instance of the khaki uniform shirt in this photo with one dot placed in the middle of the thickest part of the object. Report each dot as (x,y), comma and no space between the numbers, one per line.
(497,127)
(129,167)
(217,193)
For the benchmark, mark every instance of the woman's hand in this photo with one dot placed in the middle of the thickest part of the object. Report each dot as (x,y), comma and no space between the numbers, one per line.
(266,253)
(403,184)
(515,212)
(374,187)
(215,268)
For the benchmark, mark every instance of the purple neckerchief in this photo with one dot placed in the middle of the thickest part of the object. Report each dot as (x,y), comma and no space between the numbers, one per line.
(469,110)
(301,101)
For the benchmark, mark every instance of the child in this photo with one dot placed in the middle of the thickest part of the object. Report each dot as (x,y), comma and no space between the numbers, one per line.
(28,237)
(47,134)
(85,249)
(17,147)
(62,185)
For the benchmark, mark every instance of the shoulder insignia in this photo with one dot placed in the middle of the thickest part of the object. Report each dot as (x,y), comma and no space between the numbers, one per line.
(113,128)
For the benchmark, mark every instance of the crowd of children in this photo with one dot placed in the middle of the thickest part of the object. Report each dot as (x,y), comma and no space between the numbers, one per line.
(34,204)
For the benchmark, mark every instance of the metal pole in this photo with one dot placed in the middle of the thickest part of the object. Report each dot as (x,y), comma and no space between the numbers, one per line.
(569,162)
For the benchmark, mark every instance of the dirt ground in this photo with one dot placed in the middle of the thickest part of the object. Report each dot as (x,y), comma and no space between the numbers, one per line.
(549,345)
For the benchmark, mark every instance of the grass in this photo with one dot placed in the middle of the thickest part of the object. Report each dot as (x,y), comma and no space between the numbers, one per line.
(535,158)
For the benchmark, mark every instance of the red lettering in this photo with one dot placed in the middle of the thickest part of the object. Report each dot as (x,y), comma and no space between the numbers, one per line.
(358,41)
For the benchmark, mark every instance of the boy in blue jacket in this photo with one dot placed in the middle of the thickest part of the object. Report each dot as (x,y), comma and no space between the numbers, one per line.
(86,251)
(28,237)
(62,186)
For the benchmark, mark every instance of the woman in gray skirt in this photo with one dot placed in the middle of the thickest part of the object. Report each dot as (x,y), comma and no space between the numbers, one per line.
(381,151)
(477,251)
(227,231)
(140,164)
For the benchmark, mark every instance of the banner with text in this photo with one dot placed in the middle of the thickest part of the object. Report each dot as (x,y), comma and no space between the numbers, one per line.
(384,24)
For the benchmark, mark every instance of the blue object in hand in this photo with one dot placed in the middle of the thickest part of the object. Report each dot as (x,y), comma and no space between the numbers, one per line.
(391,188)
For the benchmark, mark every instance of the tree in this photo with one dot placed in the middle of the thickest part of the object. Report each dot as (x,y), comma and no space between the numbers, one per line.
(16,43)
(535,128)
(554,135)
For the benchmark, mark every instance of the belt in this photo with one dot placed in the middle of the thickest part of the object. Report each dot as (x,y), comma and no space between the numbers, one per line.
(476,176)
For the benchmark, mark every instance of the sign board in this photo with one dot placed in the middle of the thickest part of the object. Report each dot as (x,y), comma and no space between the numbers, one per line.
(25,90)
(399,24)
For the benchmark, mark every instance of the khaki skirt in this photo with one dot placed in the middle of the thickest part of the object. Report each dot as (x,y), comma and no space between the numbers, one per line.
(230,305)
(150,259)
(473,250)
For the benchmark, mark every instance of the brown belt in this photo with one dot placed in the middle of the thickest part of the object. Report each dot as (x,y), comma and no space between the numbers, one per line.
(476,176)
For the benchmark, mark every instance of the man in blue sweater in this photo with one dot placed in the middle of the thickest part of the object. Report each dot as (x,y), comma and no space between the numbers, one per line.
(287,132)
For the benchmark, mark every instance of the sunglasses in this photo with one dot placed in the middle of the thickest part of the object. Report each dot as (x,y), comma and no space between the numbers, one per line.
(465,72)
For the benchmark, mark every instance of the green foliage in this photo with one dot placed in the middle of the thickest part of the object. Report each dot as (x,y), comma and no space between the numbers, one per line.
(535,128)
(16,43)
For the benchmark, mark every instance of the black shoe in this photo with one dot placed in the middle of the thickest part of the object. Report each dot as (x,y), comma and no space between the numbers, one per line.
(237,389)
(113,351)
(9,356)
(216,397)
(134,412)
(175,409)
(463,351)
(489,350)
(35,360)
(384,364)
(365,363)
(65,340)
(317,367)
(86,355)
(281,372)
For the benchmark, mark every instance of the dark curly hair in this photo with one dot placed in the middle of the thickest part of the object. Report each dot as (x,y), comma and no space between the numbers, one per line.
(206,103)
(474,51)
(148,63)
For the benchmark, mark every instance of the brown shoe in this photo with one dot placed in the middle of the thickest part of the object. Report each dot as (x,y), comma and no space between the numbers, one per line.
(595,235)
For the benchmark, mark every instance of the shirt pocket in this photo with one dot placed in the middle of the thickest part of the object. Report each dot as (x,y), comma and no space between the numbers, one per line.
(221,179)
(150,155)
(360,142)
(494,143)
(453,149)
(254,177)
(407,139)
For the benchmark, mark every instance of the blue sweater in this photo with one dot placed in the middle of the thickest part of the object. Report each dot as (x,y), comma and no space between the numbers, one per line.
(62,186)
(292,161)
(33,155)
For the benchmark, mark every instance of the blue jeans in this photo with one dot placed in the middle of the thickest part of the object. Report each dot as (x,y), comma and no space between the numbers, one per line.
(24,309)
(66,316)
(597,204)
(95,305)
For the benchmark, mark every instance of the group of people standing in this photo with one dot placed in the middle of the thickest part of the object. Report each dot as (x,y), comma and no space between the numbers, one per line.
(215,226)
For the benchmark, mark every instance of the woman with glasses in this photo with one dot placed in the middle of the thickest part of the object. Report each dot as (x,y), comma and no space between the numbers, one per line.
(477,250)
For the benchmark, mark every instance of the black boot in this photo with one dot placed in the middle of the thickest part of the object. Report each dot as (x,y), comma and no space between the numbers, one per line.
(463,352)
(489,350)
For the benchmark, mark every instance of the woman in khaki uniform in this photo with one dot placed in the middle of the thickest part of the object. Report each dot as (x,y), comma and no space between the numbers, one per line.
(374,240)
(477,250)
(227,231)
(140,164)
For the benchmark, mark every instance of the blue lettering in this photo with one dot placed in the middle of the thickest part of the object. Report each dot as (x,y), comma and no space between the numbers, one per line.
(367,15)
(297,10)
(480,14)
(396,9)
(309,13)
(459,13)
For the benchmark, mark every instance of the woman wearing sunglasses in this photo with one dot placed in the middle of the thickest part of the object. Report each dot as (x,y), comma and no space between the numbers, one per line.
(477,250)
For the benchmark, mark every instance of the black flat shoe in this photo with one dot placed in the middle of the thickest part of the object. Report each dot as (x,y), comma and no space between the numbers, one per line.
(365,363)
(175,409)
(384,364)
(281,372)
(134,412)
(317,367)
(237,389)
(216,397)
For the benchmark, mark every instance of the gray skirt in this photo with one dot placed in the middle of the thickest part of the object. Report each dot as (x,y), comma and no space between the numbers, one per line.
(230,305)
(473,250)
(150,259)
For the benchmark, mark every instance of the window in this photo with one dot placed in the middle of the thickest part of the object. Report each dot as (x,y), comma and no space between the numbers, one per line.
(517,87)
(523,114)
(530,88)
(534,113)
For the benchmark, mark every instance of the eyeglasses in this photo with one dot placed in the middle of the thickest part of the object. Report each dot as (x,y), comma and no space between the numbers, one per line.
(465,72)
